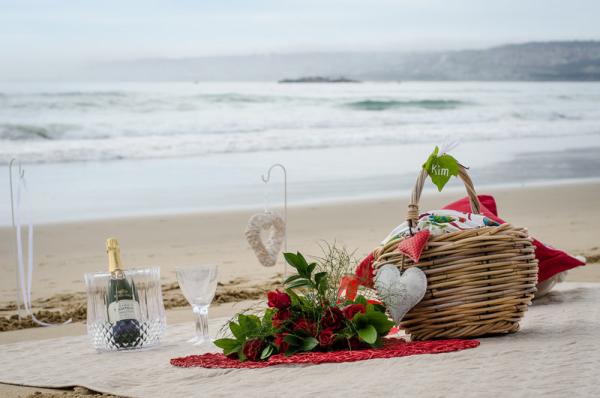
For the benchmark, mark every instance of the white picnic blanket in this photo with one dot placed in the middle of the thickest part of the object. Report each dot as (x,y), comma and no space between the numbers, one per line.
(557,353)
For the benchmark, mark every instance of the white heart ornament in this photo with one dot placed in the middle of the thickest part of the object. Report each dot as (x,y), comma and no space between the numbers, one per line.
(266,252)
(398,292)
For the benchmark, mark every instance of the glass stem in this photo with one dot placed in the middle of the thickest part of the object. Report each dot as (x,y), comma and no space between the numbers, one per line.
(201,315)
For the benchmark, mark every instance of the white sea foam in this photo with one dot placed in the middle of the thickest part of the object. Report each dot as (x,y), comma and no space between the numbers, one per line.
(82,122)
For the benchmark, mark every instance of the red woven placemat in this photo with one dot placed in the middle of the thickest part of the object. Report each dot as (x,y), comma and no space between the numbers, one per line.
(392,348)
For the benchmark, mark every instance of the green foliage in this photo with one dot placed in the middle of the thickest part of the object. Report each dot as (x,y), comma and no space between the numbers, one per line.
(304,277)
(368,334)
(441,168)
(375,317)
(299,343)
(309,343)
(267,352)
(248,327)
(308,315)
(229,346)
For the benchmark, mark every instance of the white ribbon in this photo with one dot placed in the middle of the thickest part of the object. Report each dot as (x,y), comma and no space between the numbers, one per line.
(447,147)
(25,274)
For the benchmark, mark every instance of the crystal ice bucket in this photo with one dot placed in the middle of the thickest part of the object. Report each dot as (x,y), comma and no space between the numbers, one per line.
(135,323)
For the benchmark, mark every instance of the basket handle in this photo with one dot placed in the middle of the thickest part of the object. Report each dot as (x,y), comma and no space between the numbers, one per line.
(413,207)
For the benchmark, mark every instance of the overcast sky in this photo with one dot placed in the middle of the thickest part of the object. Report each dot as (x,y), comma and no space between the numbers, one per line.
(43,35)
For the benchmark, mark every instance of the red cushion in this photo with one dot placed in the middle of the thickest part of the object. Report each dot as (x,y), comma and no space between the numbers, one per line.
(551,261)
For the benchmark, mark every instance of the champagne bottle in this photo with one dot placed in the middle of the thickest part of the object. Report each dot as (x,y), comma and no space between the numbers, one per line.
(122,301)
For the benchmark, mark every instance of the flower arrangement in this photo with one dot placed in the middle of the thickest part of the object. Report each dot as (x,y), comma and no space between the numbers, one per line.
(308,316)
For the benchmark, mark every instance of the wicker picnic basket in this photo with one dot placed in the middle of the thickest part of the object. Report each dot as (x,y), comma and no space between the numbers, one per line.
(479,281)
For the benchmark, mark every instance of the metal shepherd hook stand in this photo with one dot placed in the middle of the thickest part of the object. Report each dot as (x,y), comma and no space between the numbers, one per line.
(24,267)
(266,181)
(20,173)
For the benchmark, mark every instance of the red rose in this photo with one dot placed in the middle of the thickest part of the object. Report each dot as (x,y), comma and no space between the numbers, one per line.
(252,349)
(332,318)
(302,325)
(281,345)
(326,338)
(354,309)
(280,316)
(279,299)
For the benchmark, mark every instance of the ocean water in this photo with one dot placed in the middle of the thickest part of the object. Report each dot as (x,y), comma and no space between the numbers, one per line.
(47,123)
(117,149)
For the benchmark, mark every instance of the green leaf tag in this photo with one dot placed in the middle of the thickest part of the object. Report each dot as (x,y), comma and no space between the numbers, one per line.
(440,168)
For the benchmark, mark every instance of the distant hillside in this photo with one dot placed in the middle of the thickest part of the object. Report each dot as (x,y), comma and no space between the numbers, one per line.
(530,61)
(569,60)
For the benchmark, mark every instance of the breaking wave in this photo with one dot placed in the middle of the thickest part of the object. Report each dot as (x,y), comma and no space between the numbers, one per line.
(382,105)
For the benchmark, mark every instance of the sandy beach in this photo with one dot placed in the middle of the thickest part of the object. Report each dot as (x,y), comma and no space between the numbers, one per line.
(565,216)
(173,127)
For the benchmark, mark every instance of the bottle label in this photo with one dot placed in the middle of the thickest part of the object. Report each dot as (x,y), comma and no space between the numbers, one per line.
(123,309)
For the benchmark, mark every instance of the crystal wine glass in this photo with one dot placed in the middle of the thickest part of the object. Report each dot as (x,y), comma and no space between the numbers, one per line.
(198,284)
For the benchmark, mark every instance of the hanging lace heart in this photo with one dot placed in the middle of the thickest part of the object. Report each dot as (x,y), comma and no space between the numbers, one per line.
(266,252)
(398,292)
